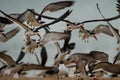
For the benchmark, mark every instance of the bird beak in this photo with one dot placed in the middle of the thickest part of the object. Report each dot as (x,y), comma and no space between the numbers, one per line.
(41,44)
(4,34)
(38,35)
(73,61)
(95,37)
(81,26)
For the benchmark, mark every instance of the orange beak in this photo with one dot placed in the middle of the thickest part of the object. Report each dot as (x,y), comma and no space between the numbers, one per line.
(81,26)
(41,44)
(95,78)
(38,35)
(95,37)
(4,34)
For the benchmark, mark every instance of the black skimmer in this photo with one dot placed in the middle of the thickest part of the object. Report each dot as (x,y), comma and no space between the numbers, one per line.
(91,56)
(110,69)
(52,7)
(31,32)
(27,16)
(54,36)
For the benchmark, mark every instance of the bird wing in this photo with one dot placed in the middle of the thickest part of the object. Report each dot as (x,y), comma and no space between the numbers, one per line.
(67,13)
(118,6)
(44,56)
(21,56)
(5,20)
(57,6)
(52,7)
(35,67)
(103,29)
(7,58)
(9,35)
(16,21)
(116,58)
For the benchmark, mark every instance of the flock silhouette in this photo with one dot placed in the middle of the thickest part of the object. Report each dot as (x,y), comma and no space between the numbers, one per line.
(92,64)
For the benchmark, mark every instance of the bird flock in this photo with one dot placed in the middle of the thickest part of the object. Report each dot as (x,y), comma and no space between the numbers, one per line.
(93,64)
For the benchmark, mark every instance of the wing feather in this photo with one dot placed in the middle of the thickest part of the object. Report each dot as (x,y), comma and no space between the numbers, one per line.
(9,35)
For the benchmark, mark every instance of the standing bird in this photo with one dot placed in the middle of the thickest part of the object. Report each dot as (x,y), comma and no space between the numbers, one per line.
(52,7)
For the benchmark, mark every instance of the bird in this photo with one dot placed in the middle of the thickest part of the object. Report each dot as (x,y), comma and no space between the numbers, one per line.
(86,33)
(27,16)
(110,69)
(52,7)
(7,59)
(20,24)
(91,56)
(9,35)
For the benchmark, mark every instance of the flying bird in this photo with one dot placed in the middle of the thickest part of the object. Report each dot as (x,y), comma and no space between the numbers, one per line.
(31,32)
(52,7)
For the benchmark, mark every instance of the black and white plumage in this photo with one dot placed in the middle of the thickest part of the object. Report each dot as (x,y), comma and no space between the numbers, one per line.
(107,67)
(52,7)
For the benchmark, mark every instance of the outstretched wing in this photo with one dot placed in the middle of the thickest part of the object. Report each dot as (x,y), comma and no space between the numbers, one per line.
(21,56)
(9,35)
(57,6)
(44,56)
(103,29)
(118,6)
(67,13)
(5,20)
(52,7)
(16,21)
(8,59)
